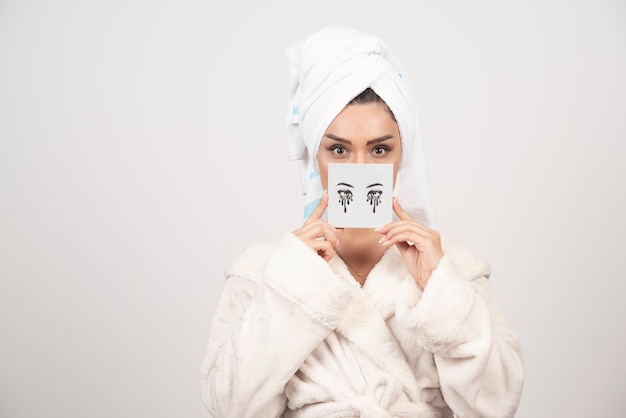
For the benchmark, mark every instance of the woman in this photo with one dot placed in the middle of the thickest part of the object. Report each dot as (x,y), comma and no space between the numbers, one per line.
(386,322)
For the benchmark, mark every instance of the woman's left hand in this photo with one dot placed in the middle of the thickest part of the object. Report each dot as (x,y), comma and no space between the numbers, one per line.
(420,246)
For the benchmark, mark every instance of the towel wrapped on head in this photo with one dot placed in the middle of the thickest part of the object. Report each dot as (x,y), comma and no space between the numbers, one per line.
(326,71)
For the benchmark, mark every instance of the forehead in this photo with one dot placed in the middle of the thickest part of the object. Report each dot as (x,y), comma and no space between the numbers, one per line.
(364,120)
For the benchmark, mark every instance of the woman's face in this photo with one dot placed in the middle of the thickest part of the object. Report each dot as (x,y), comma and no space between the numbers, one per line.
(361,133)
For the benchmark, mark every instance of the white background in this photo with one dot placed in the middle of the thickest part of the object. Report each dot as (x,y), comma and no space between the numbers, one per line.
(142,147)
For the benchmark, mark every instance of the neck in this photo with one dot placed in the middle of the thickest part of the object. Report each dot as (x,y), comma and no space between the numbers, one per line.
(360,250)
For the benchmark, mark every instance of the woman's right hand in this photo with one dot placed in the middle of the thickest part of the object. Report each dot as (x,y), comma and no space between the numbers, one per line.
(319,234)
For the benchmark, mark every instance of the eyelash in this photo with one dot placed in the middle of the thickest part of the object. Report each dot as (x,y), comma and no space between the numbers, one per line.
(341,150)
(383,148)
(335,148)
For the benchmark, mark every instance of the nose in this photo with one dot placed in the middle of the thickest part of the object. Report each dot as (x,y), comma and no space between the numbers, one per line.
(360,158)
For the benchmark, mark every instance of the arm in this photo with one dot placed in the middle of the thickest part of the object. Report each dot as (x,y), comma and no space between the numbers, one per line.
(478,358)
(457,318)
(264,328)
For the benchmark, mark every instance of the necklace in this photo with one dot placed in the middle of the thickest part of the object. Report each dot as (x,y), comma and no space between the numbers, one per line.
(351,268)
(355,272)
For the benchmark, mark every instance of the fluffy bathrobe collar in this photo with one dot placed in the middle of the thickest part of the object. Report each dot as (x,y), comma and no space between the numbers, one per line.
(381,321)
(364,325)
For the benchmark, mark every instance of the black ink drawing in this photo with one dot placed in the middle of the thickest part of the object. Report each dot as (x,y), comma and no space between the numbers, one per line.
(345,196)
(373,196)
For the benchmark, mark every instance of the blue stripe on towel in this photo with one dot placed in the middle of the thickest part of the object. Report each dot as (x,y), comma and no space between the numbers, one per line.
(309,208)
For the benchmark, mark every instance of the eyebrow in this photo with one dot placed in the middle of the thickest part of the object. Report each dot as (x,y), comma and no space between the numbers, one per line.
(370,142)
(345,184)
(375,184)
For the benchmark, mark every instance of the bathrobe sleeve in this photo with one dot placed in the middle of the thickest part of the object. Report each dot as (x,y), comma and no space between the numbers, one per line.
(458,319)
(278,304)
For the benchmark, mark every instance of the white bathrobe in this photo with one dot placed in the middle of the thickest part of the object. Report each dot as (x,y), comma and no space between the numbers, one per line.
(296,336)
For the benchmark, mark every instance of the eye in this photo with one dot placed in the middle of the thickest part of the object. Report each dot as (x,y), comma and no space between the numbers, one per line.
(380,150)
(338,150)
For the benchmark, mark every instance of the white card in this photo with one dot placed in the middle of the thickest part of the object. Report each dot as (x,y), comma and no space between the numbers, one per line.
(359,195)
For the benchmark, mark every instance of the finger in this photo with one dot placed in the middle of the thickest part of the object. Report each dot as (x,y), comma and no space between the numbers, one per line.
(323,248)
(330,234)
(385,228)
(412,233)
(319,245)
(402,214)
(319,210)
(422,242)
(394,227)
(320,229)
(403,236)
(403,246)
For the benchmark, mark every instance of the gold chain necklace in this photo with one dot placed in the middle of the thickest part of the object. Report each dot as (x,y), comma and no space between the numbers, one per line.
(355,272)
(351,268)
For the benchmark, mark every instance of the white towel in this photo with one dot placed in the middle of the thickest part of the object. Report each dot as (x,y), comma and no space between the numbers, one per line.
(326,71)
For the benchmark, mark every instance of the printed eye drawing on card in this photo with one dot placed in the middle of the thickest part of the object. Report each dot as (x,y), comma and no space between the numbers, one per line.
(345,195)
(362,195)
(373,196)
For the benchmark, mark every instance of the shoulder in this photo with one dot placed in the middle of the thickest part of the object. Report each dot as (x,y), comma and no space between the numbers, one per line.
(251,262)
(466,260)
(282,257)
